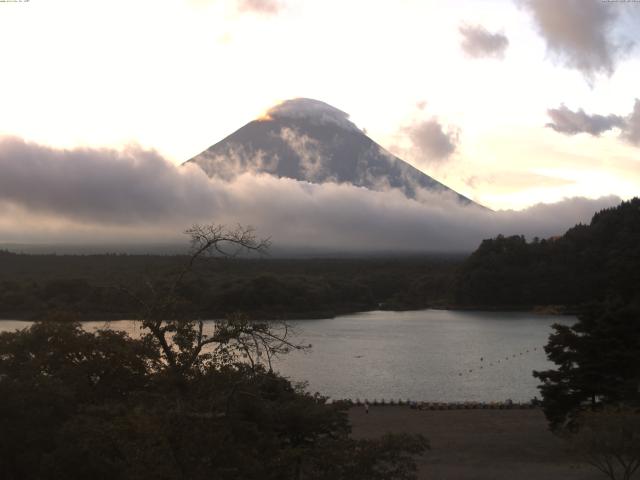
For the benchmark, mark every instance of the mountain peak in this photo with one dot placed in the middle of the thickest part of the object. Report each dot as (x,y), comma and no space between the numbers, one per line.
(313,111)
(309,140)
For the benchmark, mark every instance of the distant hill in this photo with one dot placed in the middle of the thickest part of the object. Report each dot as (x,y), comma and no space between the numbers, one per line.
(311,141)
(588,263)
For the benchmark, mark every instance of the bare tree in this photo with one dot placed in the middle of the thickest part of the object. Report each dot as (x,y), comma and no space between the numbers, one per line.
(610,441)
(186,347)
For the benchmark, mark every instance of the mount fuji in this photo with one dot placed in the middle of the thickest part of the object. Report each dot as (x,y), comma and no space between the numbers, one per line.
(309,140)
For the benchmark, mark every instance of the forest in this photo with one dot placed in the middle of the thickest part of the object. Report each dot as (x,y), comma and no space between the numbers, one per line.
(96,286)
(589,263)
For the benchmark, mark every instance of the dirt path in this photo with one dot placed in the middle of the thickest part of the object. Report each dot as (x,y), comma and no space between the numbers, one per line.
(478,444)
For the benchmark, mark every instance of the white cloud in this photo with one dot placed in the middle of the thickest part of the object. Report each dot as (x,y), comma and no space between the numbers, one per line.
(478,42)
(631,132)
(309,152)
(96,196)
(268,7)
(580,34)
(430,142)
(312,110)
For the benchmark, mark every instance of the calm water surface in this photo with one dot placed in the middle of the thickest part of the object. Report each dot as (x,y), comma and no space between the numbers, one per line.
(431,355)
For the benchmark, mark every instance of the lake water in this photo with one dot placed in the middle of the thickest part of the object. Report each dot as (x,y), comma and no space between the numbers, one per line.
(430,355)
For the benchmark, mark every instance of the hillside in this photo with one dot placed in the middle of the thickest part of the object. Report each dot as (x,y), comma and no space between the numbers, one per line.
(588,263)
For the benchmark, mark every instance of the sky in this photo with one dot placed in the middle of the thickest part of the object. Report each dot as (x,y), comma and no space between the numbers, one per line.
(509,102)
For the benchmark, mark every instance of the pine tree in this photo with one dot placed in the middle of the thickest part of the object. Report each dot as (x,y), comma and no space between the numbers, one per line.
(598,363)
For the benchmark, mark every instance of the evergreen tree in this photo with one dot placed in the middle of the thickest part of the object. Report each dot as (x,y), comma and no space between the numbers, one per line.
(597,363)
(588,263)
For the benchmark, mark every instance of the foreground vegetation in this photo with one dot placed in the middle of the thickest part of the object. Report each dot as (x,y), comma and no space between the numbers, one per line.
(178,403)
(592,396)
(82,405)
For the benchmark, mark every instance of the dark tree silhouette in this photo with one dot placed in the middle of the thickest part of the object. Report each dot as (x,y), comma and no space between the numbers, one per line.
(597,364)
(588,263)
(609,440)
(181,402)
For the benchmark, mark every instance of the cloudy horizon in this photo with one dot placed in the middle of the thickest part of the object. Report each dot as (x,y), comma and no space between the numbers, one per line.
(529,107)
(137,196)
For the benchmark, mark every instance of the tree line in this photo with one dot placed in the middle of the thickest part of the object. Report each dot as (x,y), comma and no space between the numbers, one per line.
(589,263)
(89,286)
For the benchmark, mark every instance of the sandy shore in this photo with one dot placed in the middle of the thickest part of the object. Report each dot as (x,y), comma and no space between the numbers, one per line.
(478,444)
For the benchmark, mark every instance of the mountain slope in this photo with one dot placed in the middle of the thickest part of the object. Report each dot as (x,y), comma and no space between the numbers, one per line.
(311,141)
(588,263)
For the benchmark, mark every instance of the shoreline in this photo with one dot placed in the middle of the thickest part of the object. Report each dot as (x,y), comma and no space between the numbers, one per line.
(324,315)
(453,405)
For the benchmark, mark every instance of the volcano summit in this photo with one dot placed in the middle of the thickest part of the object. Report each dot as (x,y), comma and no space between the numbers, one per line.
(312,141)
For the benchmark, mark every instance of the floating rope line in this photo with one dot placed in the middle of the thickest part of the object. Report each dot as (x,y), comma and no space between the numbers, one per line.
(499,361)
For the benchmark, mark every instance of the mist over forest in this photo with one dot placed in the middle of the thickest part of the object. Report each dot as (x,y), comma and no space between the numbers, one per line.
(135,196)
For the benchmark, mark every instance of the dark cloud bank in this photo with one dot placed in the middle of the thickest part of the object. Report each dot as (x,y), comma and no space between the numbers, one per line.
(100,196)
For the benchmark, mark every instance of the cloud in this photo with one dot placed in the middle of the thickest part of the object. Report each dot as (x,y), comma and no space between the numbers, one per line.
(478,42)
(314,111)
(580,33)
(308,150)
(425,141)
(513,181)
(235,159)
(631,131)
(430,141)
(569,122)
(269,7)
(100,185)
(97,196)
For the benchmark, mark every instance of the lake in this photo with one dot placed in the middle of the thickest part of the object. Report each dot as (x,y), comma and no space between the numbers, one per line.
(430,355)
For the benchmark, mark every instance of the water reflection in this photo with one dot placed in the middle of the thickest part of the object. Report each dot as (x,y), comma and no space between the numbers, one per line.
(431,355)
